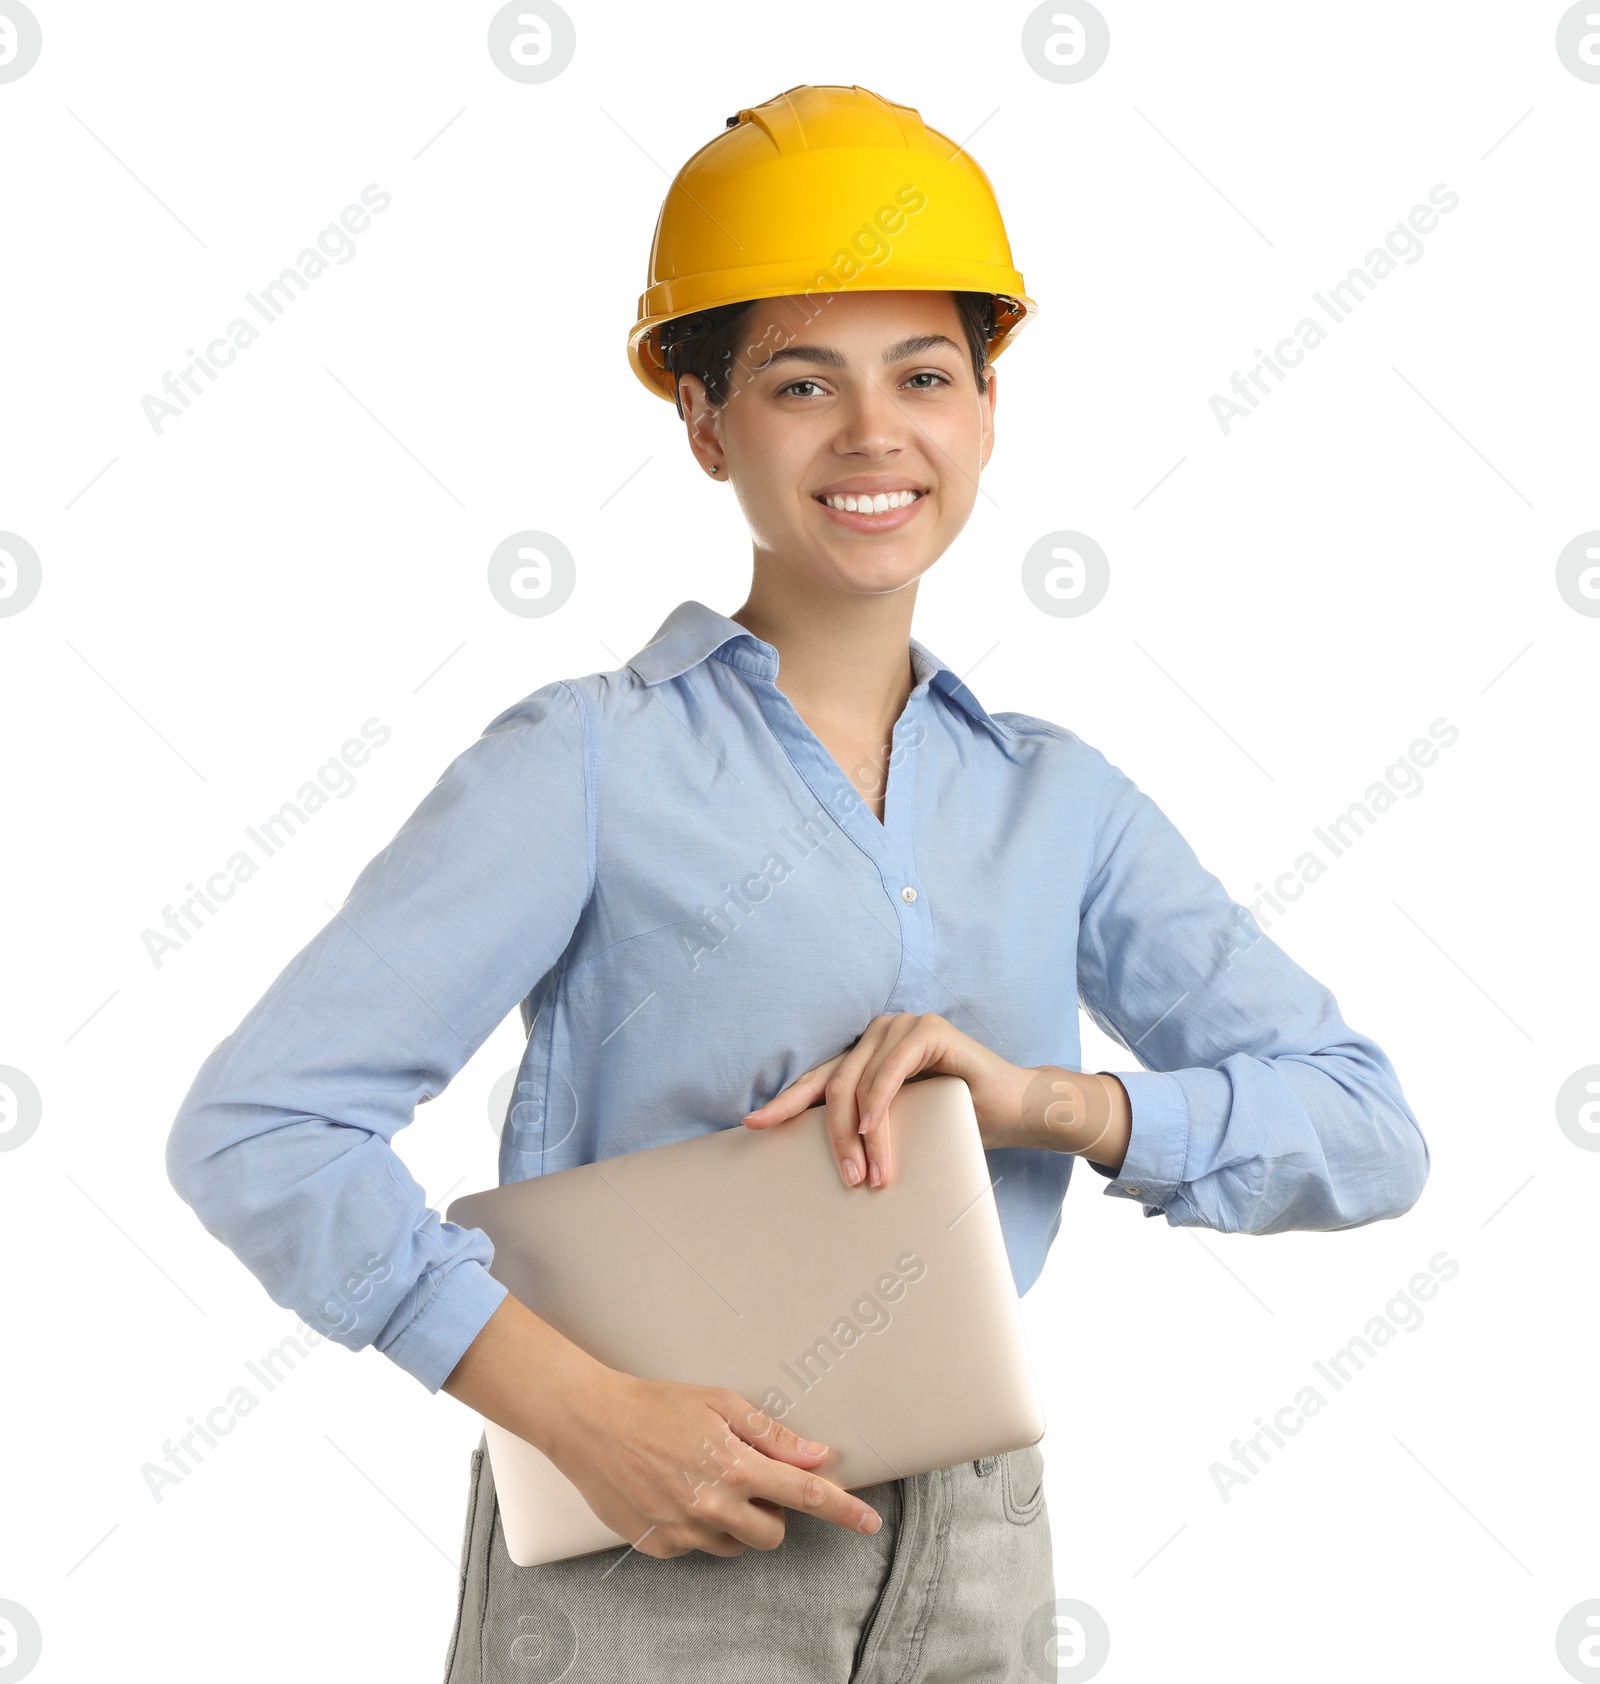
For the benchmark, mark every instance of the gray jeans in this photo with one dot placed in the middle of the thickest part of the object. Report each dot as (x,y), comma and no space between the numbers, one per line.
(940,1593)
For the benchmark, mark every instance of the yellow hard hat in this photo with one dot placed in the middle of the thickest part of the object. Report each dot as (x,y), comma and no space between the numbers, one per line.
(824,190)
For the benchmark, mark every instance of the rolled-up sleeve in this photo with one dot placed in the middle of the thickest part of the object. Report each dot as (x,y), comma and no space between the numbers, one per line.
(1259,1108)
(282,1145)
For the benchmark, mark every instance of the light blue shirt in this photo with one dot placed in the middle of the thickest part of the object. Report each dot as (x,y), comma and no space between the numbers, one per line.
(669,872)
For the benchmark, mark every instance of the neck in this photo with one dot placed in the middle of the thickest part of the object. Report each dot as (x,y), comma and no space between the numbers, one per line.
(844,660)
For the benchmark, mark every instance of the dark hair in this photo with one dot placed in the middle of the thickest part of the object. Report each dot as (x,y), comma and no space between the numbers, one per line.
(709,342)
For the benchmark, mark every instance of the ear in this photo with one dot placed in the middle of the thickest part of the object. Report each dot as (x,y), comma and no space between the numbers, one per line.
(702,421)
(986,416)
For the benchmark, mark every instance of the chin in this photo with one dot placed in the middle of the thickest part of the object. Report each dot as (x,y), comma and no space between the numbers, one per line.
(875,575)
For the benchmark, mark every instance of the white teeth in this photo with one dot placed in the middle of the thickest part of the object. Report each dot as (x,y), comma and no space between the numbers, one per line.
(873,505)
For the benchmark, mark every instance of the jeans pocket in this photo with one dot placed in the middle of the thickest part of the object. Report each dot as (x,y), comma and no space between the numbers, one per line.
(1022,1484)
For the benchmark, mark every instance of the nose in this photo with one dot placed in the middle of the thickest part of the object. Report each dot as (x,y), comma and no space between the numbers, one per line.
(871,423)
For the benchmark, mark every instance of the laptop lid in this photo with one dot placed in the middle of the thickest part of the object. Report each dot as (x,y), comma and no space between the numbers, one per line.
(883,1322)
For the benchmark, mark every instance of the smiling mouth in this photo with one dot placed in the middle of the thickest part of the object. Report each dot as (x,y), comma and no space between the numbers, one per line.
(882,502)
(899,507)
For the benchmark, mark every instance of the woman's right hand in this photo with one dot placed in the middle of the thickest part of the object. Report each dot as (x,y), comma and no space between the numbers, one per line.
(674,1467)
(669,1467)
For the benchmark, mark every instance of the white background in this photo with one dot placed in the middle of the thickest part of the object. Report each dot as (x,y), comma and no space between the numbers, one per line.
(1373,549)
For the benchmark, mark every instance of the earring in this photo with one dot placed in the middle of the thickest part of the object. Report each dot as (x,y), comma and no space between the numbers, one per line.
(714,468)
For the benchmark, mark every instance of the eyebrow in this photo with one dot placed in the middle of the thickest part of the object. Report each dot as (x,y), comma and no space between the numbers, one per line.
(826,357)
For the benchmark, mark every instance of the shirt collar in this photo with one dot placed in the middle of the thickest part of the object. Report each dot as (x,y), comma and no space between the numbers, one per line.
(692,633)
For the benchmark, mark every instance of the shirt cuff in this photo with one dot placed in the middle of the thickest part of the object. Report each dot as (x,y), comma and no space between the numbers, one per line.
(431,1344)
(1158,1145)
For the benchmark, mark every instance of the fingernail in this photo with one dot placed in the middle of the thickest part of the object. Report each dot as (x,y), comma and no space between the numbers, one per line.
(870,1522)
(811,1447)
(875,1173)
(852,1171)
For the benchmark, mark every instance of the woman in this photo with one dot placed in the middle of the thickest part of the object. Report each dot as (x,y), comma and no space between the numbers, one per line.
(781,857)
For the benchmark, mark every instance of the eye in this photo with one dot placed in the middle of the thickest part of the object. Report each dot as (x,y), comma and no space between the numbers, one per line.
(784,391)
(927,374)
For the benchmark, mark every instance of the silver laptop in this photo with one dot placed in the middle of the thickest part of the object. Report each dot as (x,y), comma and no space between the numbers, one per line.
(883,1322)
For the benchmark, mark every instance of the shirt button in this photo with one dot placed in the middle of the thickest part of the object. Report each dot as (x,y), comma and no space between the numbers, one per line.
(908,893)
(1133,1189)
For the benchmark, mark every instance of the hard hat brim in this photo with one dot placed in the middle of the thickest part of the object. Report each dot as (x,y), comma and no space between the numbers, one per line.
(670,300)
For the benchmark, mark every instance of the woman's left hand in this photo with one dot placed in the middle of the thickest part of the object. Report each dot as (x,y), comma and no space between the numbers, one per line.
(859,1083)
